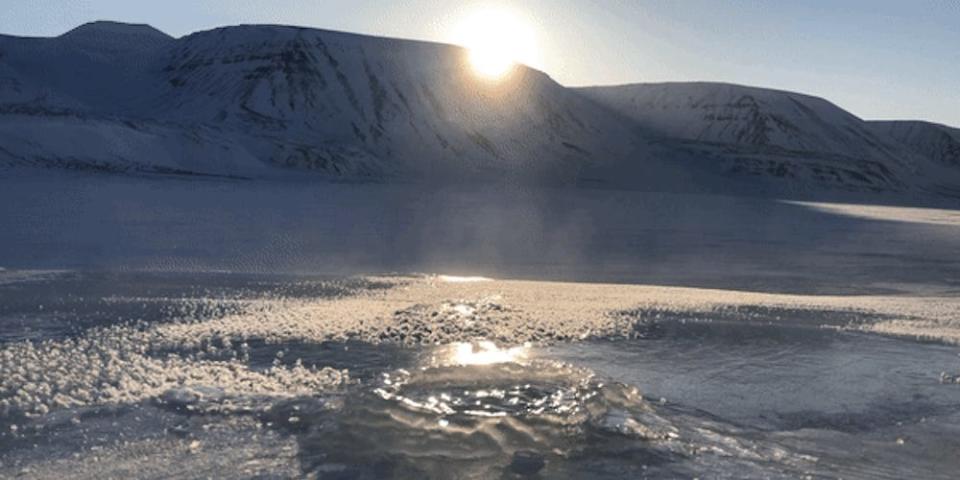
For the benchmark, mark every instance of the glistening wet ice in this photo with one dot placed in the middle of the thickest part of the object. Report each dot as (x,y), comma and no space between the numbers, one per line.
(685,397)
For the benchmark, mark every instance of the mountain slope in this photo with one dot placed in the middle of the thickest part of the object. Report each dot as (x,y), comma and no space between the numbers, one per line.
(337,103)
(116,37)
(938,143)
(277,101)
(769,133)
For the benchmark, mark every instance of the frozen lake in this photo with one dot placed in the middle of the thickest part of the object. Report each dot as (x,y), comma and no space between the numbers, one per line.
(715,241)
(110,389)
(225,328)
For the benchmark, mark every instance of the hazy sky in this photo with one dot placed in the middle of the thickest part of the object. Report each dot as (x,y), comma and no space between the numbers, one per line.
(876,58)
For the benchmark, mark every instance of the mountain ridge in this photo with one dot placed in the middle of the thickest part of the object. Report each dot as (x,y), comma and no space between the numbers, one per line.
(934,140)
(764,131)
(110,27)
(365,104)
(274,100)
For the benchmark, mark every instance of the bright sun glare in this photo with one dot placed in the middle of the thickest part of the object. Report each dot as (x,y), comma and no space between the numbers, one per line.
(497,40)
(487,353)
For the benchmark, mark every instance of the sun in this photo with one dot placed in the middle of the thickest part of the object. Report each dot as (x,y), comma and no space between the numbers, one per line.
(497,40)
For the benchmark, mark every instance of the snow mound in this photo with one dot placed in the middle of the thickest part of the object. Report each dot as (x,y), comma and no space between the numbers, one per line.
(118,366)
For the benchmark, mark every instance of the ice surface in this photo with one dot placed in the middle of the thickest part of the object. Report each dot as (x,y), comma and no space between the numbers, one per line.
(123,364)
(342,377)
(711,241)
(133,343)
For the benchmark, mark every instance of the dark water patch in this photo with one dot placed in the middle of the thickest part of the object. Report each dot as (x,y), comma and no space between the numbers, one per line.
(651,320)
(780,377)
(878,416)
(364,360)
(68,431)
(68,303)
(483,421)
(151,284)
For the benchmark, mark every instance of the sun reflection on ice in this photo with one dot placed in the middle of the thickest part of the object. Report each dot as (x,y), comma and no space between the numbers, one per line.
(464,310)
(459,279)
(487,353)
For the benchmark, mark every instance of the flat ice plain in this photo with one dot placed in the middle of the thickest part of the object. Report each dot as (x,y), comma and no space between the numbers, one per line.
(192,328)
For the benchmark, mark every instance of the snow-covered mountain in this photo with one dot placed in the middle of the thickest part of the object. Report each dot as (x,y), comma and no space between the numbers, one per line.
(766,132)
(938,143)
(257,100)
(277,101)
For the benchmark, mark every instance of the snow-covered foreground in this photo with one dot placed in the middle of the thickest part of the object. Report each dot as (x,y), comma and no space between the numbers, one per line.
(169,374)
(206,328)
